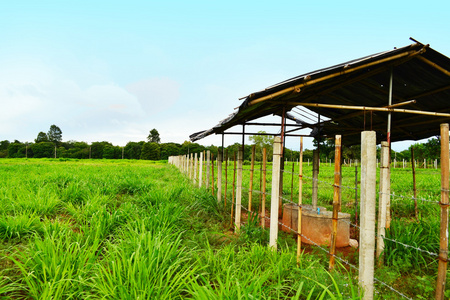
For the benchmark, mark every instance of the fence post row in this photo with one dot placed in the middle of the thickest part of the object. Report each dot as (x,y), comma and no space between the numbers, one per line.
(192,166)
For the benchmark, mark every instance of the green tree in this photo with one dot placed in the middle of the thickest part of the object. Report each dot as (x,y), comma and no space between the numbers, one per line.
(170,149)
(153,137)
(41,137)
(43,149)
(133,150)
(16,149)
(97,149)
(54,134)
(4,148)
(151,151)
(262,141)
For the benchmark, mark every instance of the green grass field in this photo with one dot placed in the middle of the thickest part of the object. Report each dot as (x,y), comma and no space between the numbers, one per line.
(127,229)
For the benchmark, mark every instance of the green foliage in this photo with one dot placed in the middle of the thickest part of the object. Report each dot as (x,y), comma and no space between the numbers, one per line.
(54,134)
(153,137)
(151,151)
(44,149)
(97,149)
(170,149)
(41,137)
(133,150)
(16,149)
(261,141)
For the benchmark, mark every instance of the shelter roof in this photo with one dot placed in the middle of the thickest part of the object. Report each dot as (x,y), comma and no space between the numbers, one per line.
(419,73)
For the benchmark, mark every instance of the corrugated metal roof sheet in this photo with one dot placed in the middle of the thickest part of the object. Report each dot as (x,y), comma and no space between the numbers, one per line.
(419,73)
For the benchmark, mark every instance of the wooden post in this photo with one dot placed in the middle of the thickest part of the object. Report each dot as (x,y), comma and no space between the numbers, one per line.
(208,173)
(299,213)
(219,176)
(263,205)
(413,165)
(383,200)
(337,187)
(250,193)
(315,186)
(275,199)
(443,245)
(237,218)
(212,174)
(200,175)
(368,203)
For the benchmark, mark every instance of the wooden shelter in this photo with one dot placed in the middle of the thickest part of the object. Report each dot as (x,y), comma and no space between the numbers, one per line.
(411,84)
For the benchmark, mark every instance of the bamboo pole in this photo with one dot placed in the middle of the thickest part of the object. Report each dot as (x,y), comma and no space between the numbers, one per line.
(413,166)
(341,72)
(250,192)
(300,190)
(370,108)
(275,199)
(384,169)
(443,245)
(337,187)
(436,66)
(263,205)
(292,182)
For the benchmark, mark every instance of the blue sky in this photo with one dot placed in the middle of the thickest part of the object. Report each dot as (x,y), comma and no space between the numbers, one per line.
(113,70)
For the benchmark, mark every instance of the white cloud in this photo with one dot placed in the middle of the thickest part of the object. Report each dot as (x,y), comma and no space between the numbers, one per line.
(155,94)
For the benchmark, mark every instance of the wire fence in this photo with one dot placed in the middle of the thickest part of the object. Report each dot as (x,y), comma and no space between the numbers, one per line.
(351,200)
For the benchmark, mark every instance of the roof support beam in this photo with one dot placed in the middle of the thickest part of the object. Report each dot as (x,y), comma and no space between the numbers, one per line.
(384,109)
(436,66)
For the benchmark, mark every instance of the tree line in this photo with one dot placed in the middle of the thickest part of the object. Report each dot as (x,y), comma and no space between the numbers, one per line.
(50,145)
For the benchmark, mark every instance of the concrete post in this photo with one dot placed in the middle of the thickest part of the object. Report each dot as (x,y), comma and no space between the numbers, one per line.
(208,167)
(275,199)
(219,176)
(315,186)
(237,218)
(368,203)
(196,168)
(382,206)
(191,167)
(200,175)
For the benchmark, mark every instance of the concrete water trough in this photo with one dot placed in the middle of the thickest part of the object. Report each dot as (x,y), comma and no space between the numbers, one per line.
(317,224)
